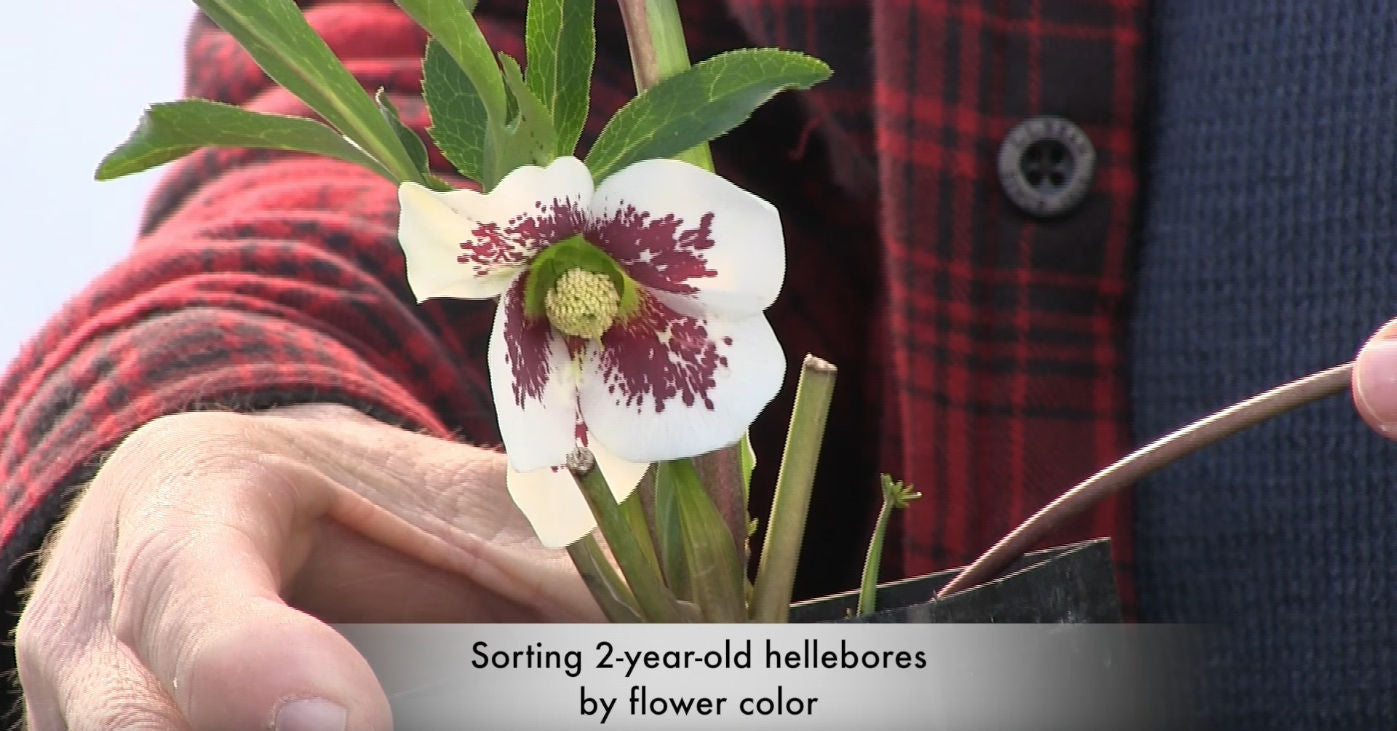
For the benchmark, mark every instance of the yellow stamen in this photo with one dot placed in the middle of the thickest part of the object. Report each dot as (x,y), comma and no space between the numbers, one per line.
(582,303)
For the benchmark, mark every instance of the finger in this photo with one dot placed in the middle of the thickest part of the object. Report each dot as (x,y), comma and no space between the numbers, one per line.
(74,672)
(199,563)
(1375,381)
(442,503)
(349,577)
(104,687)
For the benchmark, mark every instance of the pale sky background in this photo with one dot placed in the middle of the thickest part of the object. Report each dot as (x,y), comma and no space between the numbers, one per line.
(78,73)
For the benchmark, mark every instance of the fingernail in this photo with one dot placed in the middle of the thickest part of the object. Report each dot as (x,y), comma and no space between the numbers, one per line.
(1375,381)
(311,714)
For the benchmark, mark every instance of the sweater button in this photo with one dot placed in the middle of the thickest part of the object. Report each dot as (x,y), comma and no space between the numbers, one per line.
(1046,165)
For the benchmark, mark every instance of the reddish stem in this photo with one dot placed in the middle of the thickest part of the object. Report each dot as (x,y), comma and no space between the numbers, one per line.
(1145,460)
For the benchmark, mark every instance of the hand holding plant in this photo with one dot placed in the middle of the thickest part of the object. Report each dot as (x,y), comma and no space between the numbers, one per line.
(629,335)
(630,351)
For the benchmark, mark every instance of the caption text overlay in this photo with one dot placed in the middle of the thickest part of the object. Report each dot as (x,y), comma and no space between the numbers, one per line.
(773,676)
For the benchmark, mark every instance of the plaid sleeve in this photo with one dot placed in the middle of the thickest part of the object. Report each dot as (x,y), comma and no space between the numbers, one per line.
(263,279)
(258,280)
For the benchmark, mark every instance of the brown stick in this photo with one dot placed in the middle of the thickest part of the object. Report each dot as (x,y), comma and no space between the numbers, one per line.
(643,61)
(1145,460)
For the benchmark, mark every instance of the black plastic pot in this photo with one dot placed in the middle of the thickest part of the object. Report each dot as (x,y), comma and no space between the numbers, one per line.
(1067,584)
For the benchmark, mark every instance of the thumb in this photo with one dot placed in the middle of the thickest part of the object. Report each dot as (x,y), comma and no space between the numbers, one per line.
(1375,381)
(199,561)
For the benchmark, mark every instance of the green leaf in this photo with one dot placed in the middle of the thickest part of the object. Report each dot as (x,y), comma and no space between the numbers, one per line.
(481,148)
(720,473)
(174,129)
(696,548)
(633,509)
(560,40)
(531,132)
(458,115)
(657,603)
(450,22)
(698,104)
(748,462)
(416,151)
(281,41)
(528,139)
(610,592)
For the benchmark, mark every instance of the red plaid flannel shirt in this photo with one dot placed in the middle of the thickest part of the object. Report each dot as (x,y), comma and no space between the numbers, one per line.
(980,350)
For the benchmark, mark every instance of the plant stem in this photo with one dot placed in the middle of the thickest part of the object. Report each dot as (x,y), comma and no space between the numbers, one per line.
(655,600)
(655,34)
(895,496)
(634,513)
(720,473)
(1145,460)
(701,563)
(656,38)
(868,590)
(611,593)
(771,596)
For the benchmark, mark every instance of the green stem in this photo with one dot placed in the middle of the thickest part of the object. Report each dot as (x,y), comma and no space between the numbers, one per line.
(606,586)
(634,512)
(656,37)
(895,496)
(655,33)
(720,473)
(655,600)
(868,590)
(771,596)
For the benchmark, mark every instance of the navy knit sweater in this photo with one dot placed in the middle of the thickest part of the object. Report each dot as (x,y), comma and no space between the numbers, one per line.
(1270,250)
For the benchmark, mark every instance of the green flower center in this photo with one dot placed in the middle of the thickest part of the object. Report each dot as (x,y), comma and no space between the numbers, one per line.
(581,290)
(582,304)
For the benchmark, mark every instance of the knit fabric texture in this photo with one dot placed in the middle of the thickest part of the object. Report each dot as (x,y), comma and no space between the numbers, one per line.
(1268,253)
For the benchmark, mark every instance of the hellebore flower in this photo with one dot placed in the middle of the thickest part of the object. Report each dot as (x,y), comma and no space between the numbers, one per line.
(629,320)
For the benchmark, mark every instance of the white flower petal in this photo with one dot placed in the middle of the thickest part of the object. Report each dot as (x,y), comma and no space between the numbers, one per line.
(706,245)
(665,385)
(622,476)
(550,499)
(469,245)
(430,232)
(534,383)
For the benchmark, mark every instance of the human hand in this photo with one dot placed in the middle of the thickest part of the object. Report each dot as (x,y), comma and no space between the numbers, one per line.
(1375,381)
(190,585)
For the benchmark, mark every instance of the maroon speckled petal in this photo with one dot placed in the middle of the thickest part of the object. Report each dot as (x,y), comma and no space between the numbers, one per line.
(465,244)
(660,251)
(491,244)
(530,210)
(660,356)
(534,383)
(665,385)
(701,243)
